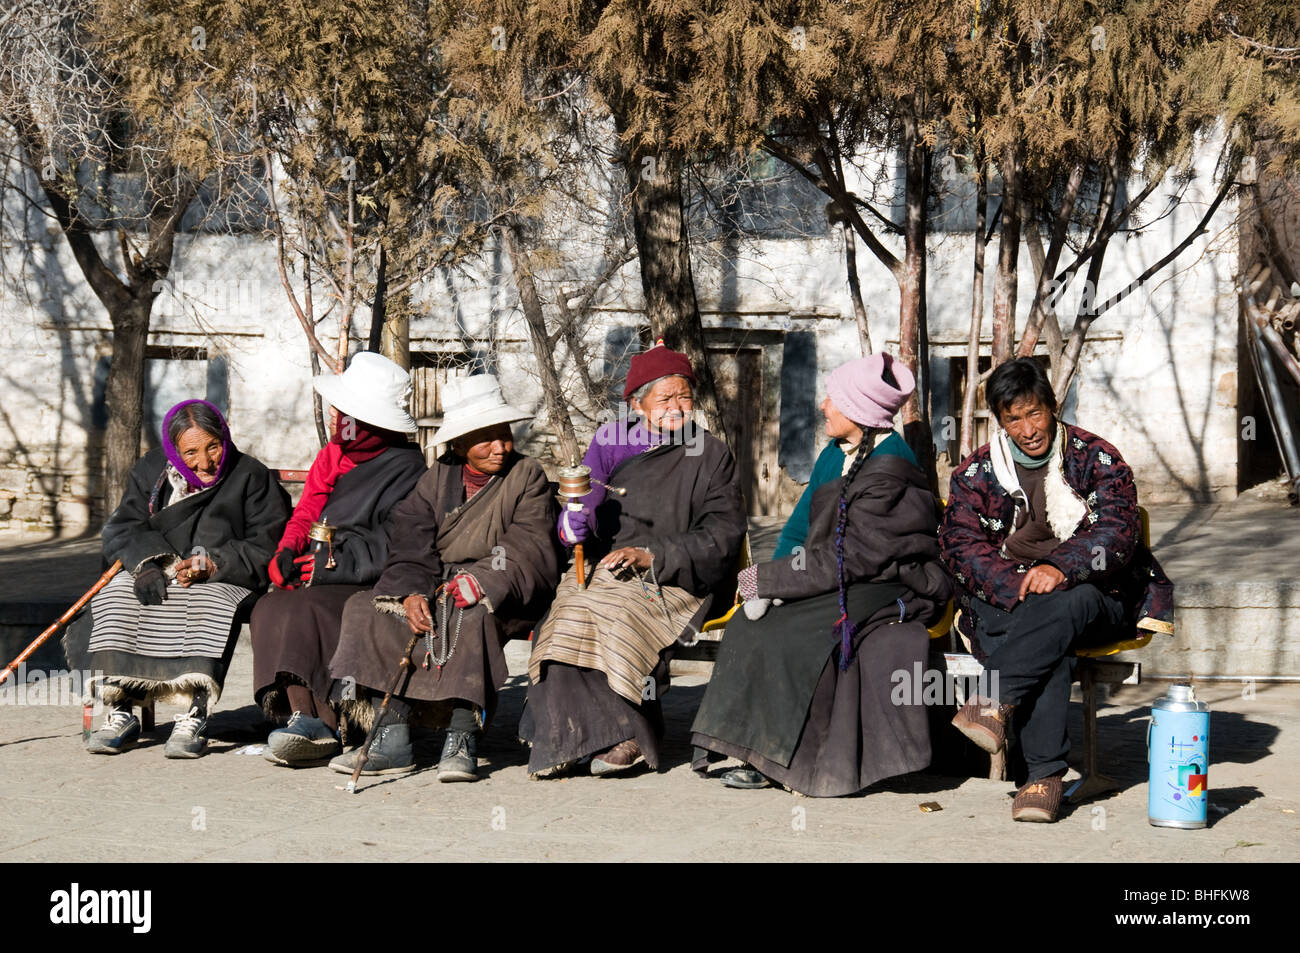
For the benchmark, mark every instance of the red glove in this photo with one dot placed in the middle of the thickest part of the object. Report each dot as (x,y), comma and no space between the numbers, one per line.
(281,570)
(465,589)
(306,564)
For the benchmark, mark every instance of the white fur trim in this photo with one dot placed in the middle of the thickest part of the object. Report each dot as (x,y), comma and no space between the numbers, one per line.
(1065,508)
(117,688)
(390,605)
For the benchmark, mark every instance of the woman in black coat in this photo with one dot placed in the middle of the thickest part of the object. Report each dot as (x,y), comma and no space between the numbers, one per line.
(803,689)
(195,528)
(295,629)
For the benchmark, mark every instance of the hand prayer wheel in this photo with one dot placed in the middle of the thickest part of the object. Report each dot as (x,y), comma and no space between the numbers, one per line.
(575,483)
(322,534)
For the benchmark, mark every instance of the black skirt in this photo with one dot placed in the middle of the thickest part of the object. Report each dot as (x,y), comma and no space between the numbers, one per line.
(778,700)
(572,712)
(295,633)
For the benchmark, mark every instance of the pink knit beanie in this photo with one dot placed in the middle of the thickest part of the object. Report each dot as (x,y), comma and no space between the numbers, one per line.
(858,389)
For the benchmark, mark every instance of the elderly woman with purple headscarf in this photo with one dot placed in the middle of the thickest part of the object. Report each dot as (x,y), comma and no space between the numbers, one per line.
(195,529)
(803,692)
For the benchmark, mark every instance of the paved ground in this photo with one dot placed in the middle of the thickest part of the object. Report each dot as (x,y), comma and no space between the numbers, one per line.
(62,804)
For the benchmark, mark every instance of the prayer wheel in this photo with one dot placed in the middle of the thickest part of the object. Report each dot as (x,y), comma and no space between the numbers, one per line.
(575,483)
(322,534)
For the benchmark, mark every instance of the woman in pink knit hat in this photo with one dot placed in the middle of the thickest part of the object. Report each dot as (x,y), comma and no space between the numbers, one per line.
(801,692)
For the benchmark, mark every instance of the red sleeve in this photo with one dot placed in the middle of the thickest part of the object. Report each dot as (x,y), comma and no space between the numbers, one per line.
(328,466)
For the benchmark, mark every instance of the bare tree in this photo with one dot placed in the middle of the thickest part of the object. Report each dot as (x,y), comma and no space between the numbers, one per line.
(61,101)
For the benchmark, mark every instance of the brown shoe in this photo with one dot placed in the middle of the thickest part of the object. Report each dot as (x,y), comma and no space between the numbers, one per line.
(984,722)
(1038,800)
(618,758)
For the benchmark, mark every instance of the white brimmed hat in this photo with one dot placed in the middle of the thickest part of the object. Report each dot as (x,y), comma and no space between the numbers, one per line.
(373,390)
(472,403)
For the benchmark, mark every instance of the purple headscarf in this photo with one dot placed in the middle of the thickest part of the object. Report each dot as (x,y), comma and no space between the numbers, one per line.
(174,456)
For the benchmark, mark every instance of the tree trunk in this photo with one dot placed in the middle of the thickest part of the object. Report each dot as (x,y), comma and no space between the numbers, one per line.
(855,289)
(556,407)
(124,394)
(129,304)
(1004,291)
(663,248)
(1044,287)
(911,289)
(967,446)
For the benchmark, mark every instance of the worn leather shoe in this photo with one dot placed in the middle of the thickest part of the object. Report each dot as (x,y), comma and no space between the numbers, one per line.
(984,722)
(459,761)
(619,758)
(390,753)
(745,777)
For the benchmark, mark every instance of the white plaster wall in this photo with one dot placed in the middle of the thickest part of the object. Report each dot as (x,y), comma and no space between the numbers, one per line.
(1159,381)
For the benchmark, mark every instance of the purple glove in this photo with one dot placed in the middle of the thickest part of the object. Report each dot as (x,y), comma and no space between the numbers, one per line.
(573,524)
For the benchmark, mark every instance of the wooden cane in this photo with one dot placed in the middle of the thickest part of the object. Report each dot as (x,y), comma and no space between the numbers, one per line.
(402,666)
(58,623)
(577,565)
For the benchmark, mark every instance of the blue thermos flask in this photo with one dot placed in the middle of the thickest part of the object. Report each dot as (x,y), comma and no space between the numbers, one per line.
(1178,749)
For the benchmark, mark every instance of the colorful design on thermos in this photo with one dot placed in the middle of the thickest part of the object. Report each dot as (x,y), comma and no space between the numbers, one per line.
(1178,749)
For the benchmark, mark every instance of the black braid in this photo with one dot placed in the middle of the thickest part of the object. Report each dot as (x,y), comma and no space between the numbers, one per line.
(845,625)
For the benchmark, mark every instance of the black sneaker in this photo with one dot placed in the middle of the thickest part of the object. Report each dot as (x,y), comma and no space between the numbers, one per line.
(390,753)
(120,730)
(186,739)
(459,761)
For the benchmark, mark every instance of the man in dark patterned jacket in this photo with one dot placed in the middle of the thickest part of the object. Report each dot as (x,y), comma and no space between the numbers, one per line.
(1042,535)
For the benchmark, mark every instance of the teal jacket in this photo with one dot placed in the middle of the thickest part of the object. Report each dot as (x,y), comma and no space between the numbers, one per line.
(829,466)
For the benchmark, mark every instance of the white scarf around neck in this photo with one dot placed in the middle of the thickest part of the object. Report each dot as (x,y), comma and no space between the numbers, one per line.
(1065,510)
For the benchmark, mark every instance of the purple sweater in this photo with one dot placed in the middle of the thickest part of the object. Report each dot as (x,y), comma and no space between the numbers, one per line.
(613,443)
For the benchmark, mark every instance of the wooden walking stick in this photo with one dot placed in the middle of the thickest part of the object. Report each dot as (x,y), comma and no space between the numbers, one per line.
(60,621)
(402,668)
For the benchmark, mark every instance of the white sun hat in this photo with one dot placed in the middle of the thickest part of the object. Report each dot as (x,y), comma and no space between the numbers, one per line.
(472,403)
(373,390)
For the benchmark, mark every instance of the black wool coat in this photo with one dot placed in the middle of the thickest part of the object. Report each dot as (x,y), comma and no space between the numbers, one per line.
(360,509)
(237,523)
(683,503)
(891,535)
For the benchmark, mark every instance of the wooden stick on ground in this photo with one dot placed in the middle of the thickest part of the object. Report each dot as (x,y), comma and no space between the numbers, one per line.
(60,621)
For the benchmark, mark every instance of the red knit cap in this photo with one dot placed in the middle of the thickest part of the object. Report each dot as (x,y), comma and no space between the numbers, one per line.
(653,364)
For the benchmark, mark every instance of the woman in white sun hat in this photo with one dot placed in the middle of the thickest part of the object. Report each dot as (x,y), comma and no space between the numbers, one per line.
(473,563)
(368,467)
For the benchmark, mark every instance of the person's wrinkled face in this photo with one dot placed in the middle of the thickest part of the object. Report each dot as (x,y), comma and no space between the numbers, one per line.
(839,427)
(1029,422)
(486,449)
(667,405)
(201,452)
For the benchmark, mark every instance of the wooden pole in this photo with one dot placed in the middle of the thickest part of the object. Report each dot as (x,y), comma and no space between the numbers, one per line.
(58,623)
